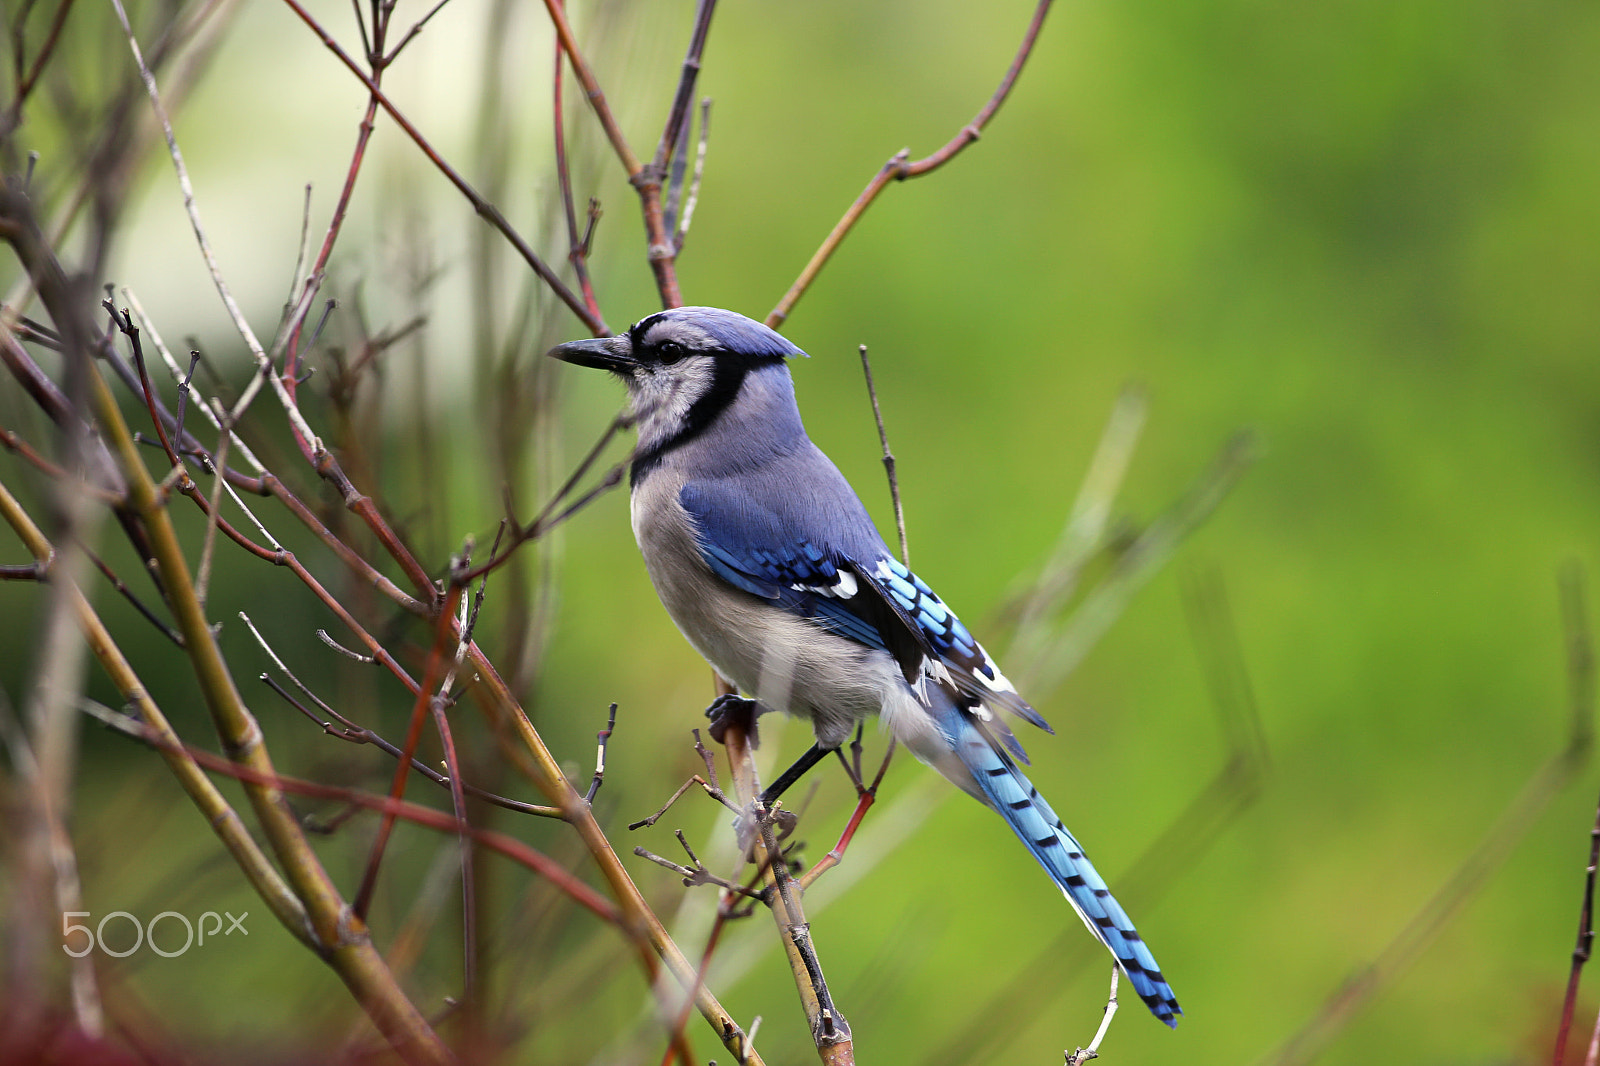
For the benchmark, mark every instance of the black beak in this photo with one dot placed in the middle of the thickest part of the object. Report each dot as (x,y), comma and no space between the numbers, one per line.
(601,353)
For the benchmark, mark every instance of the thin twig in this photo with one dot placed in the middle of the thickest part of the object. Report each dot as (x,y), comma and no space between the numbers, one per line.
(602,738)
(693,196)
(829,1030)
(413,31)
(899,167)
(349,731)
(126,593)
(697,874)
(1585,945)
(486,210)
(432,675)
(888,460)
(239,322)
(26,82)
(415,813)
(591,87)
(58,475)
(577,247)
(545,520)
(1084,1054)
(677,119)
(184,378)
(1581,681)
(322,635)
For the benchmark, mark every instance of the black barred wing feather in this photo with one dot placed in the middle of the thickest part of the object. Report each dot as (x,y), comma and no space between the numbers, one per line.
(971,670)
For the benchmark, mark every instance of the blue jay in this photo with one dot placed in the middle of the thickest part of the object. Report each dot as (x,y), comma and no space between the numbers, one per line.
(768,563)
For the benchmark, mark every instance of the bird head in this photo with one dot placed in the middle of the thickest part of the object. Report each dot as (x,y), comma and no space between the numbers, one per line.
(677,342)
(685,367)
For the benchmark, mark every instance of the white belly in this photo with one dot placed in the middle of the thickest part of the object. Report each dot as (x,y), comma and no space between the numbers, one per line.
(784,661)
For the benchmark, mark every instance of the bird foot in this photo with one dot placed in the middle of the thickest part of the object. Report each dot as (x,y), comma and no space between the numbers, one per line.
(733,710)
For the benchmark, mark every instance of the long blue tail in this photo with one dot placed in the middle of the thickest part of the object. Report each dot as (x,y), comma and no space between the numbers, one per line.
(1031,818)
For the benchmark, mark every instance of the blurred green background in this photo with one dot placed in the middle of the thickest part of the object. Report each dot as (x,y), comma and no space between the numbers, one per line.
(1369,231)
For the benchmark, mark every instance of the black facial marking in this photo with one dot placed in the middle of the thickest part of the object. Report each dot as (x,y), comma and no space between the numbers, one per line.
(727,377)
(729,367)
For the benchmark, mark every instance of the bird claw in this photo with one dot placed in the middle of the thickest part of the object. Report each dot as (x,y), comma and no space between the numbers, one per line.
(729,710)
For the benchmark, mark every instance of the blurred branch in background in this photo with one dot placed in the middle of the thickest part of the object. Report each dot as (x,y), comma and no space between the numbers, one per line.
(1491,853)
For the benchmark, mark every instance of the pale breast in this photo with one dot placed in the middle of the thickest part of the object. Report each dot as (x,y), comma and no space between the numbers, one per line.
(784,661)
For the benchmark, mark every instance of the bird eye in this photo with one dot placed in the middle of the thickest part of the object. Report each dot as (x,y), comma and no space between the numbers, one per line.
(670,351)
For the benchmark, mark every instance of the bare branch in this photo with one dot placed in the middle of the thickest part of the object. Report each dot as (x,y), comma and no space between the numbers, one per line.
(602,739)
(1084,1054)
(899,167)
(888,459)
(693,196)
(577,247)
(488,211)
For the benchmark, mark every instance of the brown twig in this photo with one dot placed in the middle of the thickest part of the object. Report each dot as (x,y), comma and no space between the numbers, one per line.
(13,443)
(709,784)
(379,63)
(697,874)
(888,459)
(662,248)
(900,167)
(829,1030)
(678,116)
(1585,945)
(1581,682)
(138,605)
(577,246)
(488,211)
(645,178)
(349,731)
(591,87)
(26,81)
(548,518)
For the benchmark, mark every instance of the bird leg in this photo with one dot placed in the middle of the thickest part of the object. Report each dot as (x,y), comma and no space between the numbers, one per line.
(732,709)
(814,755)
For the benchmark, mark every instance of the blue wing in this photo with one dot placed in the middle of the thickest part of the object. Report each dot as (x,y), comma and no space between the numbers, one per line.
(855,589)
